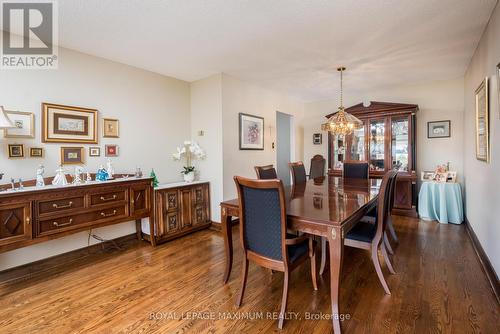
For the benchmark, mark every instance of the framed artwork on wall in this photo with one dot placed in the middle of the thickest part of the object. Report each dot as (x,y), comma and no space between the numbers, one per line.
(66,124)
(110,128)
(482,122)
(251,132)
(498,87)
(16,151)
(439,129)
(111,150)
(72,155)
(94,151)
(36,152)
(317,138)
(24,123)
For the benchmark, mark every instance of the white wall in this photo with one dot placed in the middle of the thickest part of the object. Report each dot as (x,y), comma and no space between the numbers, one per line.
(206,115)
(154,113)
(482,180)
(241,97)
(440,100)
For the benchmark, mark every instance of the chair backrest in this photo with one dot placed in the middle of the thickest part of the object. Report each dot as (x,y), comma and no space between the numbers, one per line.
(262,218)
(267,172)
(317,167)
(358,170)
(386,194)
(298,172)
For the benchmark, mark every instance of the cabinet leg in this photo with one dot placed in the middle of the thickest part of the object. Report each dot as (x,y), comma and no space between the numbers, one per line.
(138,229)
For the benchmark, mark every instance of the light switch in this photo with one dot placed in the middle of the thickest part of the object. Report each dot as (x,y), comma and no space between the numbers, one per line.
(201,133)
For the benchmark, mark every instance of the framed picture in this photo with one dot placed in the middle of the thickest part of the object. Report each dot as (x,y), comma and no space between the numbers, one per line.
(111,150)
(94,151)
(16,151)
(482,122)
(452,177)
(24,123)
(498,86)
(66,124)
(71,155)
(441,177)
(251,132)
(110,128)
(317,138)
(36,152)
(439,129)
(427,176)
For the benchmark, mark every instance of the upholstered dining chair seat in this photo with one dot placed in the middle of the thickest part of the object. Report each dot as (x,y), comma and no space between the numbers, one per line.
(362,231)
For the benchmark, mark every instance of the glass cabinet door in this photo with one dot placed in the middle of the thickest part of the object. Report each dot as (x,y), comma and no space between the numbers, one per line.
(400,144)
(357,145)
(377,145)
(338,152)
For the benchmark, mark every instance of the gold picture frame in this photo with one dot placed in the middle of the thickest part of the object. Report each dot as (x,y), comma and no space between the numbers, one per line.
(16,151)
(24,123)
(36,152)
(67,124)
(110,128)
(482,122)
(72,155)
(498,87)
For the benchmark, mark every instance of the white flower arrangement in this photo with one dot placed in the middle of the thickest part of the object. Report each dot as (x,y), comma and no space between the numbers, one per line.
(190,151)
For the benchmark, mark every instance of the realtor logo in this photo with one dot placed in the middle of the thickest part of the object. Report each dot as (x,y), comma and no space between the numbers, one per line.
(29,32)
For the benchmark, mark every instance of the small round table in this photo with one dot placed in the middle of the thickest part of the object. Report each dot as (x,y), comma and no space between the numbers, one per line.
(441,202)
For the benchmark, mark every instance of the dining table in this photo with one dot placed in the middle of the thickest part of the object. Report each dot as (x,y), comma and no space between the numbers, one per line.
(327,207)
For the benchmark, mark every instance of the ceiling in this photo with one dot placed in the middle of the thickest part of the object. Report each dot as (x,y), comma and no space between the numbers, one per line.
(292,46)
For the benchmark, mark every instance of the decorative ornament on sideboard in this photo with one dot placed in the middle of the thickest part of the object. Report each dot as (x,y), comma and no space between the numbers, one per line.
(190,151)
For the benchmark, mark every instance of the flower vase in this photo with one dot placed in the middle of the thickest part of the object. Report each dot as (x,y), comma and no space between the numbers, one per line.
(189,177)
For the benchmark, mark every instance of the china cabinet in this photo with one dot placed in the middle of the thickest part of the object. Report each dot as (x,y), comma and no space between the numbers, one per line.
(386,140)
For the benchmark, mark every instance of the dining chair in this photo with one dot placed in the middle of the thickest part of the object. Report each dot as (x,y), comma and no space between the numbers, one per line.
(267,172)
(317,167)
(369,236)
(263,236)
(355,169)
(298,172)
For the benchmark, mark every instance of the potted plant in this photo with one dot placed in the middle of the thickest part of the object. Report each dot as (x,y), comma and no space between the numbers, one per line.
(189,151)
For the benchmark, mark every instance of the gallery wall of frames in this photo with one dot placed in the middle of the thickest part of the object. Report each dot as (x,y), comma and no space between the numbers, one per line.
(69,127)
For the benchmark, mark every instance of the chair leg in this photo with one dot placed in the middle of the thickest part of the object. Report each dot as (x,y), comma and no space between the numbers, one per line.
(244,273)
(284,300)
(388,244)
(312,257)
(378,269)
(391,230)
(387,259)
(323,256)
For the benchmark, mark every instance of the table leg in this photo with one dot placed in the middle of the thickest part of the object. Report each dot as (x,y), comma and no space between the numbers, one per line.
(336,247)
(138,229)
(228,242)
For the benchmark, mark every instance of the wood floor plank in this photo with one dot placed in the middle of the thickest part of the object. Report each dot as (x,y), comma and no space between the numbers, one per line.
(439,287)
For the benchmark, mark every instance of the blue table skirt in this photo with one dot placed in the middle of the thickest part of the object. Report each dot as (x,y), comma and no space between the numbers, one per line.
(441,202)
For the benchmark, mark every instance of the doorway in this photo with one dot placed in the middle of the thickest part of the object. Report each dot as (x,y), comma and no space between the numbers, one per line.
(284,146)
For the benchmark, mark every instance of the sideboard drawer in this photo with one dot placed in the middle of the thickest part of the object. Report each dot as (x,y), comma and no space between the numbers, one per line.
(68,223)
(110,196)
(51,226)
(61,205)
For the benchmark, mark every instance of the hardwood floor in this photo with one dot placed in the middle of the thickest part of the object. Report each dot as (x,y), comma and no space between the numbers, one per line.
(439,288)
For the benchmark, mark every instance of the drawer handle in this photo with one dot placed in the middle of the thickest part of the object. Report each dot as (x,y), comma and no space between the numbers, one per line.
(105,199)
(28,220)
(109,214)
(69,205)
(56,224)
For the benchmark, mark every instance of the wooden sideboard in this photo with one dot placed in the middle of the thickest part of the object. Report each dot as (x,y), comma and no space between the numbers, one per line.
(180,208)
(34,215)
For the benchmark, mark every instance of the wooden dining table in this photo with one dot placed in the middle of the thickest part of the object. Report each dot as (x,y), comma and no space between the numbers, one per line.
(328,207)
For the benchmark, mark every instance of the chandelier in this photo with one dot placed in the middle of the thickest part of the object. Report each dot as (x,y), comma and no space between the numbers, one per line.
(341,123)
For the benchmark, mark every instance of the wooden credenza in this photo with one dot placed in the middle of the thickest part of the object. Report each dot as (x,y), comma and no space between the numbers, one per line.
(180,208)
(34,215)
